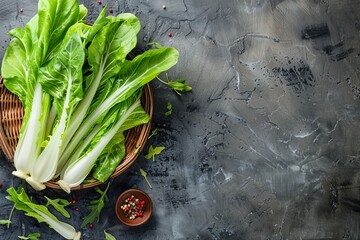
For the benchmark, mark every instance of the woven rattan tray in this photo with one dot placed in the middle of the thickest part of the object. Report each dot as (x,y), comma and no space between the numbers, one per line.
(10,121)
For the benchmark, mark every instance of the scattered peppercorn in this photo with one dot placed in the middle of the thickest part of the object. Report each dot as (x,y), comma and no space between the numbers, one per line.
(77,209)
(133,207)
(99,2)
(1,184)
(111,10)
(169,34)
(21,10)
(73,201)
(91,225)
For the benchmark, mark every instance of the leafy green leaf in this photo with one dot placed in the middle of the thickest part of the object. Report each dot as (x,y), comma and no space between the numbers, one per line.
(3,222)
(40,213)
(179,86)
(154,151)
(144,174)
(31,236)
(169,109)
(153,133)
(109,236)
(96,207)
(59,204)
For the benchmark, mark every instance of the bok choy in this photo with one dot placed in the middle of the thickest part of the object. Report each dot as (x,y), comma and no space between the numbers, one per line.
(79,91)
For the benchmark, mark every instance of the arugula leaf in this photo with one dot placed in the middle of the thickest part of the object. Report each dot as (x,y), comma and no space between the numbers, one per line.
(179,86)
(96,206)
(59,204)
(153,133)
(154,151)
(109,236)
(3,222)
(31,236)
(169,109)
(40,213)
(144,174)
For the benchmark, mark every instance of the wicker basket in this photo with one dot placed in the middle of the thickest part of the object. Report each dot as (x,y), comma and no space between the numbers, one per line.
(10,121)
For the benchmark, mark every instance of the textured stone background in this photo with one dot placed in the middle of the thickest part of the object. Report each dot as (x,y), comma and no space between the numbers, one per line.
(266,145)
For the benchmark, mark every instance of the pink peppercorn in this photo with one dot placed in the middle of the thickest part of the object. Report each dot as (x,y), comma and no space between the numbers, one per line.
(169,34)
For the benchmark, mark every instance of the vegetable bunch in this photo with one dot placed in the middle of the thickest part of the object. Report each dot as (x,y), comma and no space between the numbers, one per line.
(79,91)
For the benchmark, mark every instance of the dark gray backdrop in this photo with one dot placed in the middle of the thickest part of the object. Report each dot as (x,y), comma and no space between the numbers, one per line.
(266,145)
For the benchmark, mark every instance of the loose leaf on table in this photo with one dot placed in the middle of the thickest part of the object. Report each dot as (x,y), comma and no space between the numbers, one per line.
(3,222)
(154,151)
(31,236)
(96,207)
(40,213)
(179,86)
(169,109)
(62,79)
(153,133)
(108,236)
(144,174)
(59,204)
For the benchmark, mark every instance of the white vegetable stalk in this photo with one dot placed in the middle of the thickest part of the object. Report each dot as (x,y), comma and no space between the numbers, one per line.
(64,229)
(28,148)
(75,173)
(44,167)
(90,121)
(78,116)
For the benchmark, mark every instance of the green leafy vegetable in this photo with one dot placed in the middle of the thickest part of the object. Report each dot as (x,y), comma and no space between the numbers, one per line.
(31,236)
(144,174)
(96,207)
(3,222)
(108,236)
(62,79)
(153,133)
(79,92)
(40,213)
(169,109)
(59,204)
(179,86)
(154,151)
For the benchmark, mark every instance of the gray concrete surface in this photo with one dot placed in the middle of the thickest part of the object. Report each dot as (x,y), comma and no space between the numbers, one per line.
(265,146)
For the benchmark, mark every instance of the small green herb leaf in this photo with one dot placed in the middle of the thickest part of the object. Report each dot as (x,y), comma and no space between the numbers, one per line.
(144,174)
(154,151)
(3,222)
(32,236)
(156,45)
(59,204)
(153,133)
(169,109)
(109,236)
(179,86)
(96,206)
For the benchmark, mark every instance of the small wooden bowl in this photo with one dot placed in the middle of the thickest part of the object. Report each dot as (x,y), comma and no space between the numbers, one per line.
(142,196)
